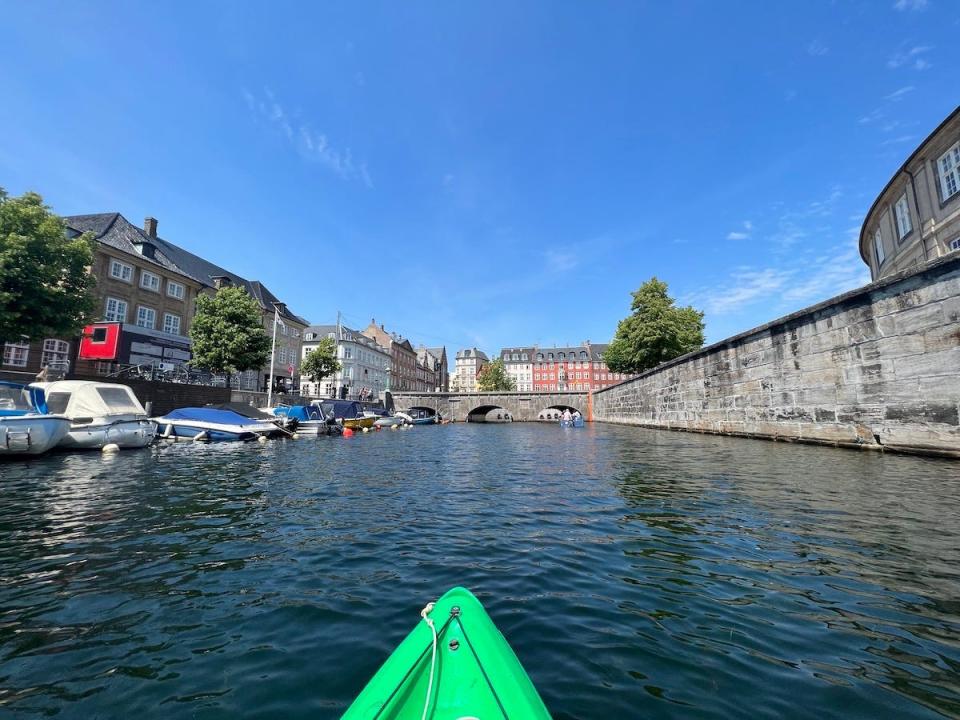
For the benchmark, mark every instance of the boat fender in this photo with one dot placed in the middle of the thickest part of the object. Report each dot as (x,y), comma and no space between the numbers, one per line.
(294,436)
(201,436)
(395,427)
(168,431)
(111,448)
(365,430)
(261,438)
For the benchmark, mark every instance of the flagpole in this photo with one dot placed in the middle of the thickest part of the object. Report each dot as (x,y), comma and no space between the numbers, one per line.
(273,354)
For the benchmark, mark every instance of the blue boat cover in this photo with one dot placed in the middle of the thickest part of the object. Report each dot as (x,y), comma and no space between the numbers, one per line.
(300,413)
(213,415)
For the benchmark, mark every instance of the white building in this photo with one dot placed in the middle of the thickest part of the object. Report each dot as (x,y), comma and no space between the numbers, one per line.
(365,364)
(468,365)
(518,362)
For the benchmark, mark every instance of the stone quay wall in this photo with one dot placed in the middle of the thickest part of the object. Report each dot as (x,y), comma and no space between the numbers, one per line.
(878,368)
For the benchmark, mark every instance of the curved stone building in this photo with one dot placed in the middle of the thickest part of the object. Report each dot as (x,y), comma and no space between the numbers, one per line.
(917,216)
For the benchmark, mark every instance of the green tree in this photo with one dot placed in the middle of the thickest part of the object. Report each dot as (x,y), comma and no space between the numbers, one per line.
(656,331)
(493,376)
(45,281)
(321,362)
(227,333)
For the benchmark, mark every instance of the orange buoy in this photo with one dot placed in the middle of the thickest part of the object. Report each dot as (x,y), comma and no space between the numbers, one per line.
(347,432)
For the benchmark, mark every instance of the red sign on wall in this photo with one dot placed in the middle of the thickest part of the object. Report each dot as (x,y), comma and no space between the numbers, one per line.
(100,341)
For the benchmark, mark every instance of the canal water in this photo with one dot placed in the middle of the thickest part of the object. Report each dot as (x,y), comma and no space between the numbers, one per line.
(638,574)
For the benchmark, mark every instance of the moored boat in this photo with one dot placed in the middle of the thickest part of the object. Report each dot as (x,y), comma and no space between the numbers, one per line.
(308,419)
(25,426)
(455,663)
(99,414)
(213,424)
(348,413)
(421,416)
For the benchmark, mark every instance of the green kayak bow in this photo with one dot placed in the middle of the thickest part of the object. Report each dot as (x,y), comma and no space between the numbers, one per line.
(454,665)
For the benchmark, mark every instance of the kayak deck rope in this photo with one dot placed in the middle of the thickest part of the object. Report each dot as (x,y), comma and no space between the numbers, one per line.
(410,671)
(425,614)
(454,615)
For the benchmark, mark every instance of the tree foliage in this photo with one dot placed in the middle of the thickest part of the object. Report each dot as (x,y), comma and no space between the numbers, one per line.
(45,280)
(656,331)
(227,332)
(321,362)
(493,376)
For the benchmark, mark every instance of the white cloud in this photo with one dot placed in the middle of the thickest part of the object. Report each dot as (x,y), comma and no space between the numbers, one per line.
(560,262)
(914,5)
(785,288)
(817,49)
(741,235)
(310,144)
(898,140)
(911,57)
(897,95)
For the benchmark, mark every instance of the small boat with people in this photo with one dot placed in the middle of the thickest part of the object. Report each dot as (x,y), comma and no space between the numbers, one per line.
(308,419)
(99,414)
(349,413)
(571,420)
(26,428)
(455,663)
(215,424)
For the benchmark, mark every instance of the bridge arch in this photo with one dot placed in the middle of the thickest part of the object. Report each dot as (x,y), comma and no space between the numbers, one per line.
(489,414)
(554,412)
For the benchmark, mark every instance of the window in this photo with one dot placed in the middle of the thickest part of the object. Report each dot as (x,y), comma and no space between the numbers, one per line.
(523,357)
(948,168)
(55,353)
(171,323)
(120,399)
(175,290)
(149,281)
(878,247)
(121,271)
(955,244)
(146,317)
(16,354)
(116,310)
(902,213)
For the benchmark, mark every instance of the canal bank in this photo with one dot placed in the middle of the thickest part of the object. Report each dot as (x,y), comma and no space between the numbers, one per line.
(875,368)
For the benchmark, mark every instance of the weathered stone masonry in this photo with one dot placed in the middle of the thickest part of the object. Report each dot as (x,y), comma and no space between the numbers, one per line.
(878,367)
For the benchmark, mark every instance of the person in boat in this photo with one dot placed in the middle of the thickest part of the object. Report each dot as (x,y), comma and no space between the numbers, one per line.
(567,417)
(576,415)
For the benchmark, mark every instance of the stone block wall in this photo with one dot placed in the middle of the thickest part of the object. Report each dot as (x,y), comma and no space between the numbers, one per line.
(878,367)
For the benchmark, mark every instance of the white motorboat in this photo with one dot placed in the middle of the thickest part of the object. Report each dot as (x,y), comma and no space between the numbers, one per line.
(31,434)
(308,419)
(99,414)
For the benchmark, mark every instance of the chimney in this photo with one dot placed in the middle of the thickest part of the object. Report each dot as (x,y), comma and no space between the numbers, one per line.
(150,226)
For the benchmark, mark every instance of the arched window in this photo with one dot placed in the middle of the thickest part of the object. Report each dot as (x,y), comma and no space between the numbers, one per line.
(550,356)
(523,357)
(539,357)
(562,356)
(583,354)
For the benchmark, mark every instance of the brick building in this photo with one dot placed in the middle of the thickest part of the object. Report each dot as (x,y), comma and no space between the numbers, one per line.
(403,358)
(572,368)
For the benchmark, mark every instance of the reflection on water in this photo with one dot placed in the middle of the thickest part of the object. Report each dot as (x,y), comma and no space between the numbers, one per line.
(637,573)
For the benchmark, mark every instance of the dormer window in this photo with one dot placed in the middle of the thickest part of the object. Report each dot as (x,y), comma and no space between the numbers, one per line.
(948,170)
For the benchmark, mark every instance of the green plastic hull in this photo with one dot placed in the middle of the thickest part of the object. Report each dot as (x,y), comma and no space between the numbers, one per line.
(477,674)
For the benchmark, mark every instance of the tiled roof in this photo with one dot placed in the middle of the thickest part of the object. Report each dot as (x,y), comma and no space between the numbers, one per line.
(205,271)
(115,231)
(596,352)
(472,353)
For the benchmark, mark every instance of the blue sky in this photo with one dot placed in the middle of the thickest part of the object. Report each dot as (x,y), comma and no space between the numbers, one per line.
(495,173)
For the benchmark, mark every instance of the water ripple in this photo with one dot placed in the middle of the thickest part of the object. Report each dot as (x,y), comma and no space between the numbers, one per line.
(637,573)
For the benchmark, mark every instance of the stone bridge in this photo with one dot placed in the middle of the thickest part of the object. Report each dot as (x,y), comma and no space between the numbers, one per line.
(524,406)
